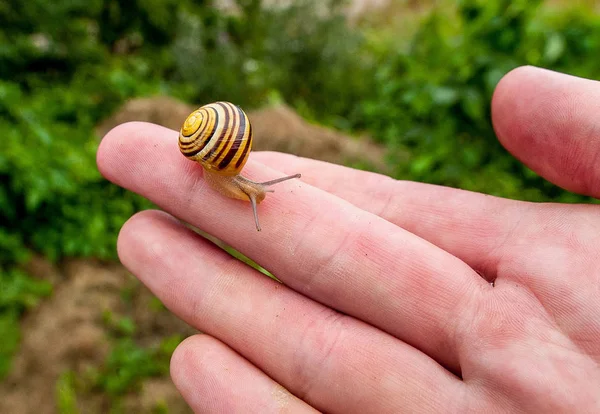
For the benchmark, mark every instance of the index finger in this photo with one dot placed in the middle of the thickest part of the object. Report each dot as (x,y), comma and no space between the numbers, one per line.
(316,243)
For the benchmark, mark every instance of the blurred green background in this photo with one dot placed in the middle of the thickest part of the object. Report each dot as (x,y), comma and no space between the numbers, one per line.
(417,78)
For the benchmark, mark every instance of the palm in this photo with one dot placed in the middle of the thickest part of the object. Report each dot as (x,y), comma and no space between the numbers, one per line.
(383,306)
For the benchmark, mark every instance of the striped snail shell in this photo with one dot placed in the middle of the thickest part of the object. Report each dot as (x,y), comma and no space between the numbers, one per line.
(219,137)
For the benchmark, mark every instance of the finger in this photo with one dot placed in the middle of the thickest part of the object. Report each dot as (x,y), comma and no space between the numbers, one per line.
(333,362)
(318,244)
(472,226)
(550,122)
(212,378)
(502,239)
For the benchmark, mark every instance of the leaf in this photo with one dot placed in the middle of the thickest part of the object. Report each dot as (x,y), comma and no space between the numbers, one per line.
(555,47)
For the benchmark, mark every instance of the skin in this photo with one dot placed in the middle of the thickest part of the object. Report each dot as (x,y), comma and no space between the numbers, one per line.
(386,303)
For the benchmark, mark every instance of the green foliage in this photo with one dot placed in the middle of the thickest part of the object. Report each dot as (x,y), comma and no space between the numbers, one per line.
(52,198)
(121,326)
(58,82)
(66,393)
(9,329)
(434,98)
(124,370)
(18,292)
(129,363)
(303,55)
(160,408)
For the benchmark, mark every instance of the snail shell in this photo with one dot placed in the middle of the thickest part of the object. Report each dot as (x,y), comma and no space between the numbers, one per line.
(219,137)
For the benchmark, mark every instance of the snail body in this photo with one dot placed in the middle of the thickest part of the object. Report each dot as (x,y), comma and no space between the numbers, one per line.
(219,137)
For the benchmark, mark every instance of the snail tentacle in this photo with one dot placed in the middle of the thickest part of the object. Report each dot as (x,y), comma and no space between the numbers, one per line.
(278,180)
(253,204)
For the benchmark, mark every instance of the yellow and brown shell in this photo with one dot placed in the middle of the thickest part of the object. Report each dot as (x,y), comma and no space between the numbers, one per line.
(218,136)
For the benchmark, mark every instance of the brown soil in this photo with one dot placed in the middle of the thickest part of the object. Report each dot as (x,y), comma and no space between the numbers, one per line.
(67,332)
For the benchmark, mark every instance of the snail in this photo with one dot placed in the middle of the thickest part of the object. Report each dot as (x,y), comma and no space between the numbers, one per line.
(219,137)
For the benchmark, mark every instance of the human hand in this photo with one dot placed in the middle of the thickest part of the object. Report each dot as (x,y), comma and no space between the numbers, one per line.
(386,303)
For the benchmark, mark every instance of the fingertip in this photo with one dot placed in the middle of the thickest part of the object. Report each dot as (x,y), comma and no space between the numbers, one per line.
(504,89)
(187,369)
(184,359)
(511,99)
(111,146)
(548,120)
(141,230)
(212,377)
(119,146)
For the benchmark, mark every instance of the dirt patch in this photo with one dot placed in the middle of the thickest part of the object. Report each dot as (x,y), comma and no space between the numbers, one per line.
(68,332)
(281,129)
